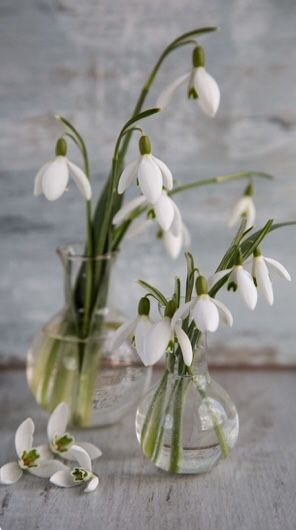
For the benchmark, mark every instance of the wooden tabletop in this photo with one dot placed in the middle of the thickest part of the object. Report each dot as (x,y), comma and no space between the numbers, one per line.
(253,490)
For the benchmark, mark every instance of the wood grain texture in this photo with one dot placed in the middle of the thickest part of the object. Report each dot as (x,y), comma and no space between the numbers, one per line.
(253,490)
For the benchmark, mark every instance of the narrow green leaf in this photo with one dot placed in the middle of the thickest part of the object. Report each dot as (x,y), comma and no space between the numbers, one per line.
(252,242)
(155,292)
(177,293)
(140,116)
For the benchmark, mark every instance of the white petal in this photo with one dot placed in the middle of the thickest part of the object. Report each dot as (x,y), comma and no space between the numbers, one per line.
(172,244)
(124,332)
(260,272)
(157,341)
(137,229)
(279,268)
(244,206)
(10,473)
(207,90)
(205,314)
(182,312)
(80,180)
(177,224)
(167,176)
(38,179)
(150,179)
(186,237)
(164,211)
(24,436)
(92,485)
(217,276)
(58,420)
(185,345)
(246,287)
(224,312)
(92,450)
(82,457)
(44,452)
(127,176)
(47,468)
(143,327)
(165,96)
(55,179)
(63,479)
(128,208)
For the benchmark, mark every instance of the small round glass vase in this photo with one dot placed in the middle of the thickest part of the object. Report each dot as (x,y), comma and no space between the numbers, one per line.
(187,423)
(99,386)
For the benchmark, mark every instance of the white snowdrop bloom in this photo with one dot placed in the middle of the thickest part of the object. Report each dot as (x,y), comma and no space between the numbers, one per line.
(52,179)
(201,86)
(36,460)
(60,441)
(152,174)
(244,207)
(161,334)
(174,244)
(261,276)
(137,328)
(241,280)
(77,476)
(204,310)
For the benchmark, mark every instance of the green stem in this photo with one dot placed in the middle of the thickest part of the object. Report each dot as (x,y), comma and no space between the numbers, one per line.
(176,441)
(153,417)
(218,429)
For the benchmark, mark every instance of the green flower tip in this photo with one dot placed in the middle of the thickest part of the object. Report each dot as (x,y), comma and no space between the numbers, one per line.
(144,145)
(201,285)
(170,309)
(61,147)
(198,57)
(144,306)
(249,190)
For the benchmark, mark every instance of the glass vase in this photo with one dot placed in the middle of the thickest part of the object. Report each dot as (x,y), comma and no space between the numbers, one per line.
(66,364)
(187,423)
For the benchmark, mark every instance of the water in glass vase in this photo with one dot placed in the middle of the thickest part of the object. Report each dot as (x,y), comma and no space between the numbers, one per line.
(187,423)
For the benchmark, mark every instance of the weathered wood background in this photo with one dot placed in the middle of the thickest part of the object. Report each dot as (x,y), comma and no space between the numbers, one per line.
(87,60)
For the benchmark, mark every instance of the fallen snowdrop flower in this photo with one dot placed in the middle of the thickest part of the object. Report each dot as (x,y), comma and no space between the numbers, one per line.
(36,460)
(52,179)
(60,441)
(77,476)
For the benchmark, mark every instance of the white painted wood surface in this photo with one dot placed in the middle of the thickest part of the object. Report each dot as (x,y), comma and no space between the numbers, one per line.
(253,490)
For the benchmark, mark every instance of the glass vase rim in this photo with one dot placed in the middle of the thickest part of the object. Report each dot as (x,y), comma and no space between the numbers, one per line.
(74,252)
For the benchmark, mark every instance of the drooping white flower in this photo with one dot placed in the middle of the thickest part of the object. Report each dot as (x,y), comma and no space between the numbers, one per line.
(204,310)
(201,86)
(137,328)
(261,276)
(77,476)
(152,174)
(52,179)
(37,460)
(241,280)
(244,207)
(173,244)
(60,441)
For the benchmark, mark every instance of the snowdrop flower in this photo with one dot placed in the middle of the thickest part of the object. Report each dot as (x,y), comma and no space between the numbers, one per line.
(173,244)
(60,441)
(261,276)
(137,328)
(204,310)
(165,211)
(244,208)
(151,173)
(82,475)
(201,86)
(52,179)
(37,460)
(239,280)
(161,334)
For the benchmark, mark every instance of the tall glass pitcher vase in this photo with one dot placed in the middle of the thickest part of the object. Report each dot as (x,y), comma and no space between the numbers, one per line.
(69,359)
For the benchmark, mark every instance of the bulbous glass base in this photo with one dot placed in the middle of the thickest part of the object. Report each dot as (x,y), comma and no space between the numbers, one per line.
(100,386)
(186,424)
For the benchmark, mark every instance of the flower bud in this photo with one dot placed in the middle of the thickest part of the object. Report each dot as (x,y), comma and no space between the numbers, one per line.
(144,306)
(249,190)
(144,145)
(198,57)
(201,285)
(61,147)
(170,309)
